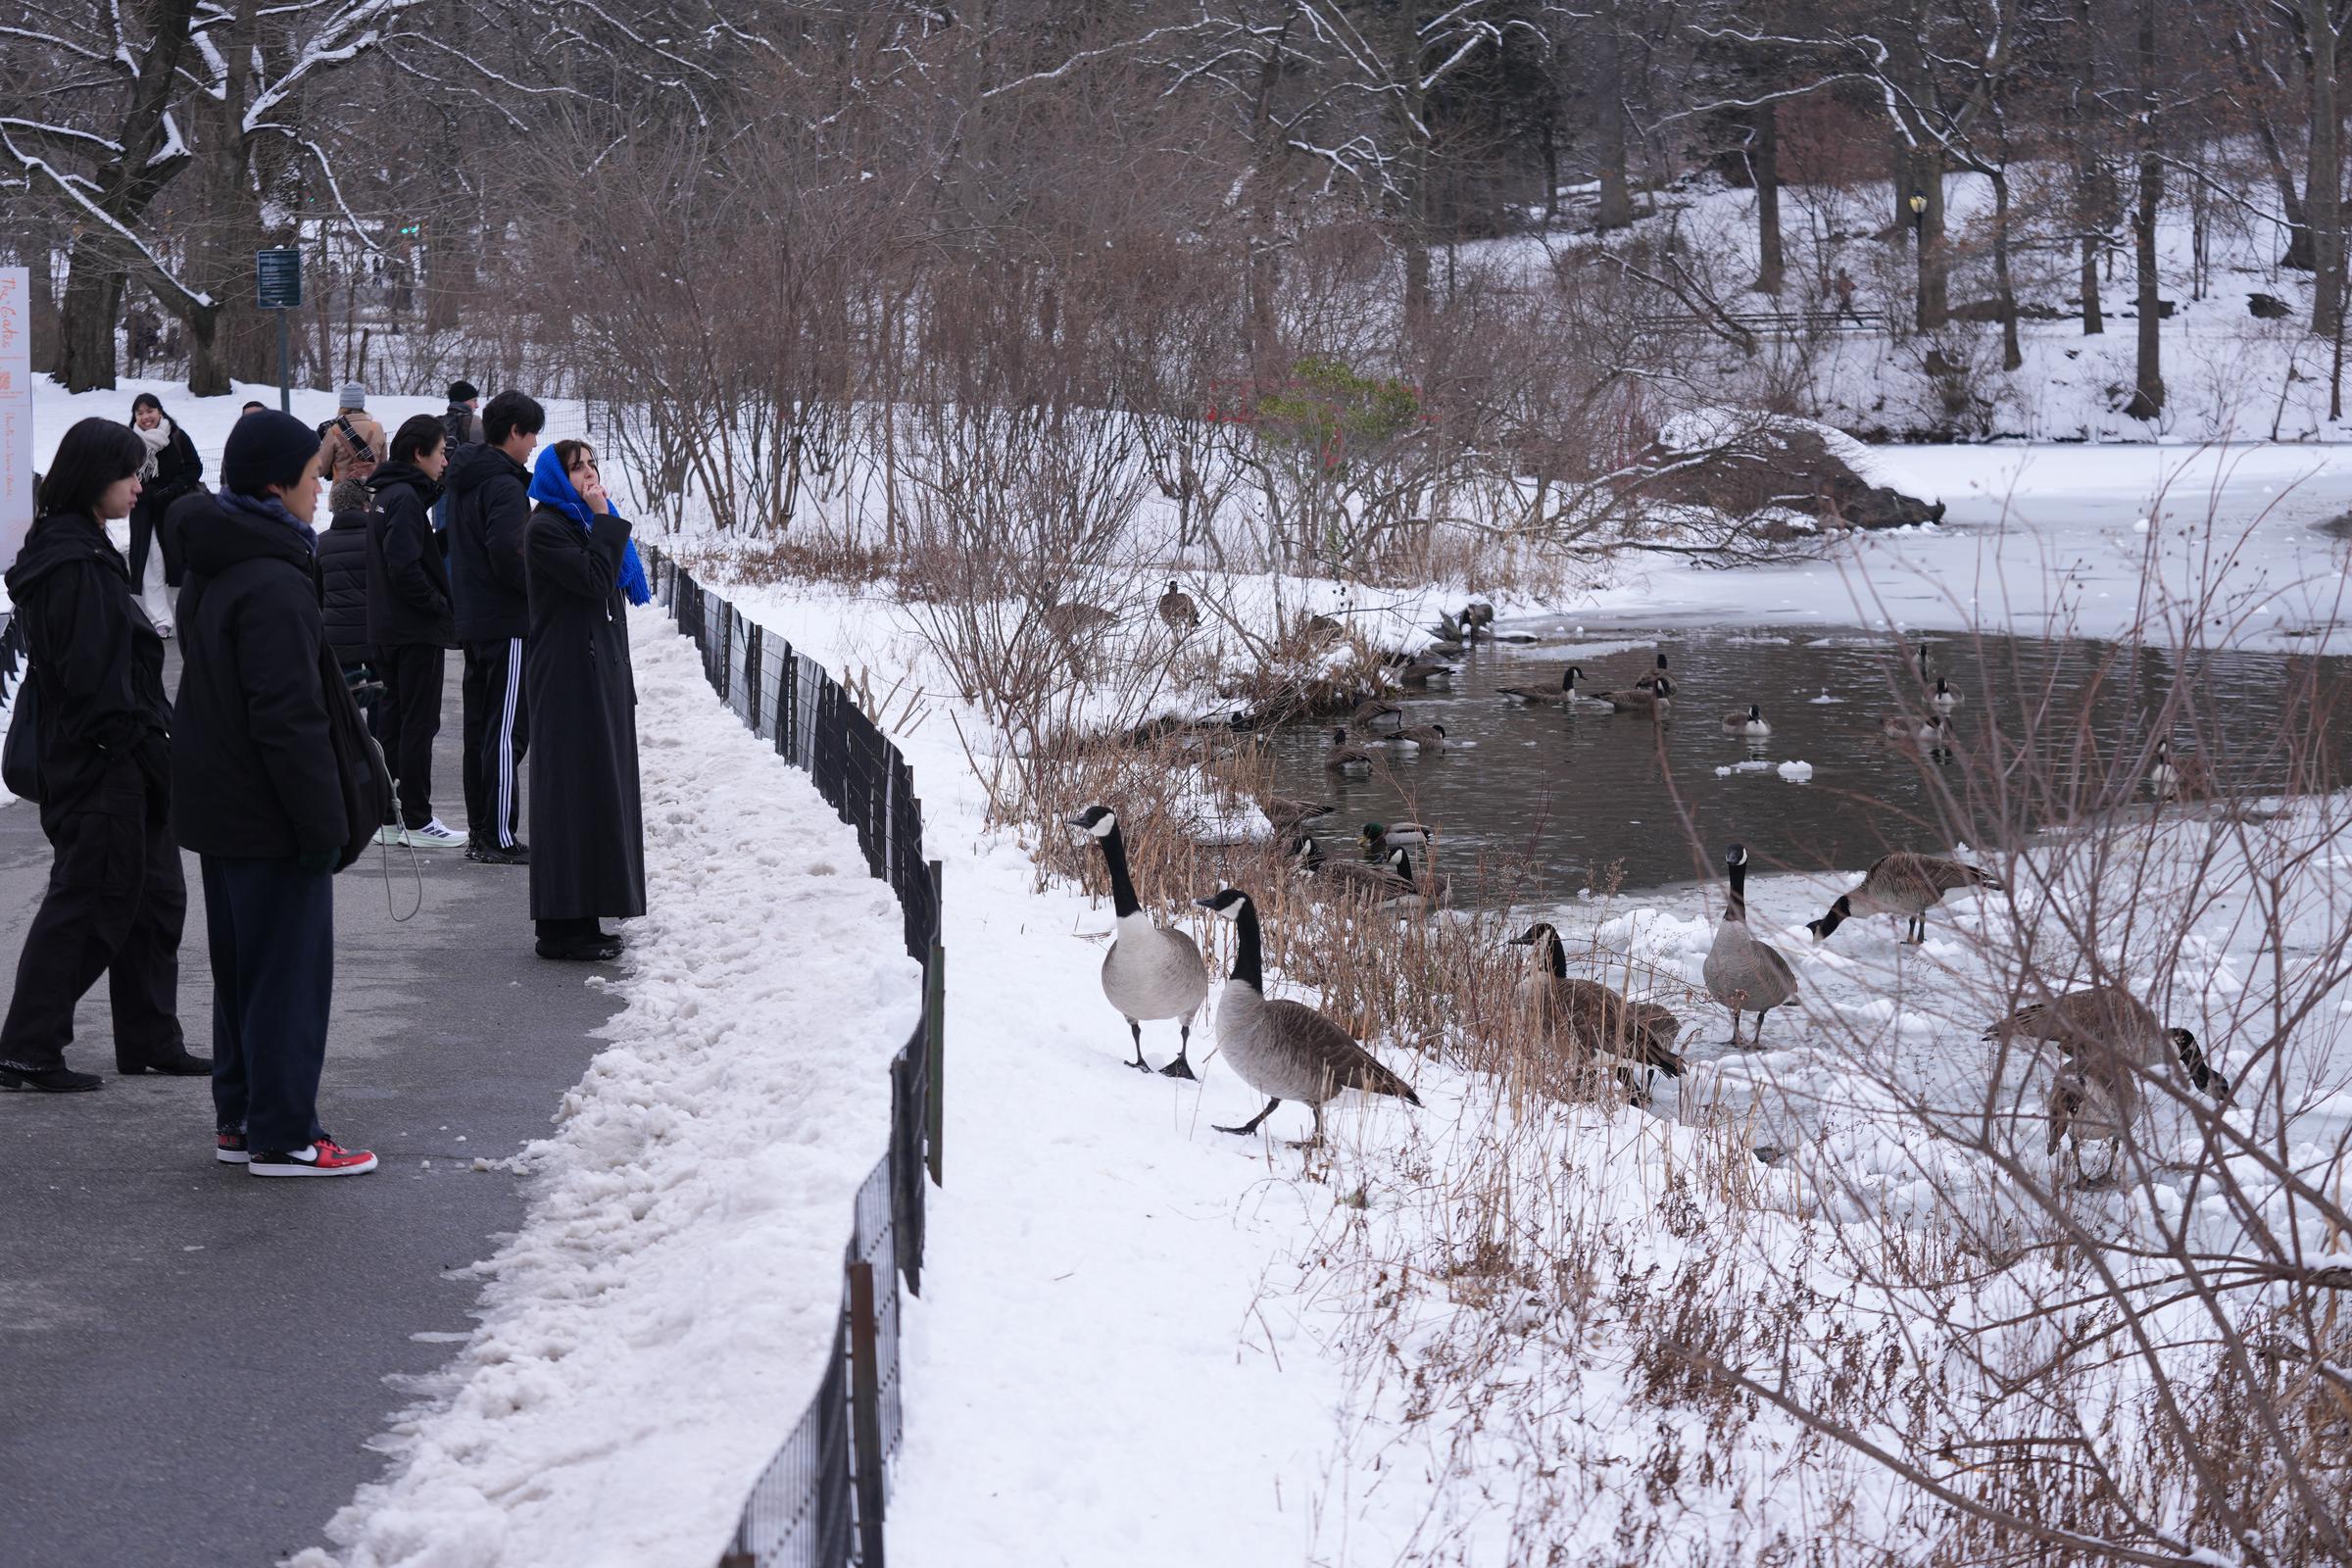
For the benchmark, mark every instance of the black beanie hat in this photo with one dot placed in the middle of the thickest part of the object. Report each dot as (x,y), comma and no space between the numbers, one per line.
(265,449)
(462,392)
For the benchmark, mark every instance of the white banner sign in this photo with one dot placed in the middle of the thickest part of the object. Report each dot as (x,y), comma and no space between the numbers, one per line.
(16,410)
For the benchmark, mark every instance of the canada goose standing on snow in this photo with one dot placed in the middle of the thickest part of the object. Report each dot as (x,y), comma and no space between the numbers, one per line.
(2101,1022)
(1382,883)
(1905,884)
(1589,1020)
(1744,974)
(1071,622)
(1565,694)
(1149,971)
(1750,725)
(1177,610)
(1344,757)
(1395,835)
(2090,1108)
(1286,1050)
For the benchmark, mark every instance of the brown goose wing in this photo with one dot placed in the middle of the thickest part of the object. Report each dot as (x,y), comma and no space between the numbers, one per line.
(1343,1063)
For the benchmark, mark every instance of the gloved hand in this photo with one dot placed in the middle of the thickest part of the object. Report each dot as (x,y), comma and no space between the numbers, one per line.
(317,862)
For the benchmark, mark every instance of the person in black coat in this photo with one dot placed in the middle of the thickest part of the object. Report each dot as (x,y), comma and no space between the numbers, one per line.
(256,794)
(116,899)
(172,467)
(490,511)
(410,619)
(343,593)
(588,830)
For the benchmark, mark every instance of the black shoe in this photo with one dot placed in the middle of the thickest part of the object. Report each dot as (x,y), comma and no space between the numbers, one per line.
(580,949)
(494,855)
(48,1080)
(180,1063)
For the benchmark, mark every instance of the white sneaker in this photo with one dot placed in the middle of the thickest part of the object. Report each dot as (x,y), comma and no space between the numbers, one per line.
(434,836)
(392,834)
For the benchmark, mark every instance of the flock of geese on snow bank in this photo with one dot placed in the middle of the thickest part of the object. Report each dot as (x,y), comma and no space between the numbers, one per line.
(2106,1039)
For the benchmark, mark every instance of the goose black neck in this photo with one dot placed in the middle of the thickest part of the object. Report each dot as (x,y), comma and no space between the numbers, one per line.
(1248,963)
(1736,907)
(1568,681)
(1555,957)
(1122,891)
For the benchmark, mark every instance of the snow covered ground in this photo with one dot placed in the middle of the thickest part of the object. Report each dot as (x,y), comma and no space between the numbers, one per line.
(663,1317)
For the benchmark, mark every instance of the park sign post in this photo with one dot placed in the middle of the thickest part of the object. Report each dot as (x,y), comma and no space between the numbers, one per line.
(15,409)
(278,286)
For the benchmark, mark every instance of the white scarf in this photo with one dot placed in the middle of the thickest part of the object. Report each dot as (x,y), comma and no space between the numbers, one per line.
(156,440)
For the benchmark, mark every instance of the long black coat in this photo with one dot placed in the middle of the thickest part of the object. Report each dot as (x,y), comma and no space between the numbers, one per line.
(100,666)
(587,823)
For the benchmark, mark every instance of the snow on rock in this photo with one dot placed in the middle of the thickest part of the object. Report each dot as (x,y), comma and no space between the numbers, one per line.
(657,1325)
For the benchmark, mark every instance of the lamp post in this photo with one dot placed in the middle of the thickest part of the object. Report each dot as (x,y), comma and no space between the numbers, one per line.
(1918,211)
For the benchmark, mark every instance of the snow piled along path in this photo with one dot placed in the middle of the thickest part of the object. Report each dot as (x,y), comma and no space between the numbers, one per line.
(663,1319)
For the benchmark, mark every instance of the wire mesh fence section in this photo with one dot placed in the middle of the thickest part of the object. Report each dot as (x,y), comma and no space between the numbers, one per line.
(819,1502)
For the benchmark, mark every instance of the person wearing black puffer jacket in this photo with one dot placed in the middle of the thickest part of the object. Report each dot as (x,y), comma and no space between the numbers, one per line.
(409,620)
(490,511)
(258,795)
(116,897)
(343,593)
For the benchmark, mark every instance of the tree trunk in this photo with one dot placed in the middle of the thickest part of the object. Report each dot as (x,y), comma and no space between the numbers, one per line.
(2324,204)
(2012,356)
(1904,177)
(44,334)
(1935,300)
(1608,93)
(2290,200)
(1552,169)
(85,348)
(2091,204)
(1764,168)
(2147,393)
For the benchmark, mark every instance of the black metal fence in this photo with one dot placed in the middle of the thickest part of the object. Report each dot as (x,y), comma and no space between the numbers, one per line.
(821,1502)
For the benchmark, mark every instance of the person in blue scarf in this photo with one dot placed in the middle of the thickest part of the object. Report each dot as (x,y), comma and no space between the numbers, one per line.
(587,819)
(551,486)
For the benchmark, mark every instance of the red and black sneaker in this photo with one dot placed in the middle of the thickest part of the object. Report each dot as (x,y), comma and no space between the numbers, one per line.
(229,1146)
(326,1157)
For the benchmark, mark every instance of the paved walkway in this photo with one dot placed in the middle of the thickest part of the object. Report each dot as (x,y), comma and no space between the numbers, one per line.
(192,1361)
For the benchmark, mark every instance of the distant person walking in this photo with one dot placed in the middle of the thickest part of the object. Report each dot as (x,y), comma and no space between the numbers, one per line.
(490,514)
(171,470)
(343,593)
(352,443)
(410,622)
(587,823)
(116,899)
(258,795)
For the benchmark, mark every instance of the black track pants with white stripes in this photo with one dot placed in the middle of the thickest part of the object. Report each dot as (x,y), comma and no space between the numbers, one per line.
(496,732)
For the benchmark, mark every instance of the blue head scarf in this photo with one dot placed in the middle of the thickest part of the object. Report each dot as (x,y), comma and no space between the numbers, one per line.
(551,486)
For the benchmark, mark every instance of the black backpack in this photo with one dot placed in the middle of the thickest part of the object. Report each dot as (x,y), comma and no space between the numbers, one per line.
(20,759)
(358,762)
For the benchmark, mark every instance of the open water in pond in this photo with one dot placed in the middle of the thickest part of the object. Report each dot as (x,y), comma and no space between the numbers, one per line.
(1584,794)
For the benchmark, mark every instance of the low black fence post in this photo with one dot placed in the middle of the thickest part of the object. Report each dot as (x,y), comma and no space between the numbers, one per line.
(752,660)
(866,1412)
(935,1038)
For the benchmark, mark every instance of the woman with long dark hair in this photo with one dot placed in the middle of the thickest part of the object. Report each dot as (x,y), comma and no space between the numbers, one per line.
(116,899)
(169,469)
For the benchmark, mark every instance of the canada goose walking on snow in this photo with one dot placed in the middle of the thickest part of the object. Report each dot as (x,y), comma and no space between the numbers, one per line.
(1177,610)
(2107,1039)
(1344,757)
(1395,835)
(1907,885)
(1069,621)
(1149,971)
(1750,725)
(1286,1050)
(1565,694)
(1742,973)
(1588,1020)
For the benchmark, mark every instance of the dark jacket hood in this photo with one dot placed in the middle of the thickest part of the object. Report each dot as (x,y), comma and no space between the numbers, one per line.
(474,467)
(62,539)
(214,537)
(389,474)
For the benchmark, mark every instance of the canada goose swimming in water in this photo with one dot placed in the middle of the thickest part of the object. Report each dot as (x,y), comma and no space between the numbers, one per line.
(1905,884)
(1940,692)
(2173,778)
(1289,815)
(1149,971)
(1423,672)
(2102,1022)
(1373,708)
(1742,973)
(1934,732)
(1588,1020)
(1652,701)
(1382,883)
(1420,737)
(1478,618)
(1656,677)
(1750,725)
(1344,757)
(2107,1038)
(1565,694)
(1177,610)
(1395,835)
(1286,1050)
